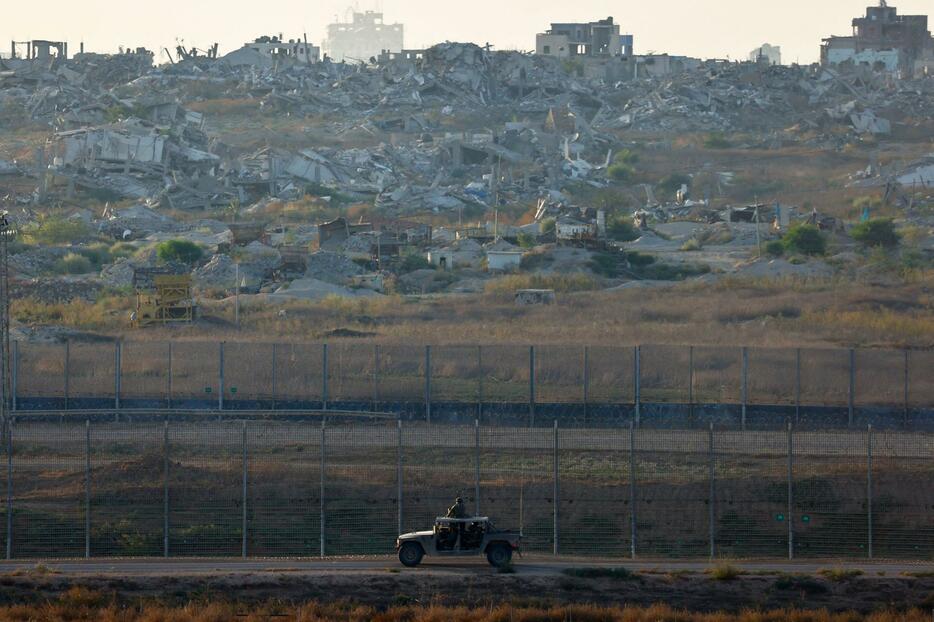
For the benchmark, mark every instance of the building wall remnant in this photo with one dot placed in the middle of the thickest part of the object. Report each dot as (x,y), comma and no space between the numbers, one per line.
(365,37)
(595,39)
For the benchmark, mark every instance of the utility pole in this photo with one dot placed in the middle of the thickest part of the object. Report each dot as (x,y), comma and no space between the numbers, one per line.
(6,234)
(237,295)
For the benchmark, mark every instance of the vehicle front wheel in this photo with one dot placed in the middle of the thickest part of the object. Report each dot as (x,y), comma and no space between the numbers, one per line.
(499,555)
(411,554)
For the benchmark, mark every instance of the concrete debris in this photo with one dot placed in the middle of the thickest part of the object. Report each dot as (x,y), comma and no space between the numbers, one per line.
(331,267)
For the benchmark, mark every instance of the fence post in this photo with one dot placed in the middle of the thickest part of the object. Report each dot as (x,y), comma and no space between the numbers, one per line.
(244,492)
(791,520)
(531,386)
(9,489)
(275,373)
(428,384)
(399,469)
(797,386)
(637,382)
(165,489)
(869,489)
(479,383)
(476,477)
(632,488)
(324,378)
(322,469)
(376,359)
(556,490)
(691,379)
(586,381)
(169,379)
(14,372)
(745,383)
(907,379)
(713,492)
(67,370)
(220,376)
(87,489)
(118,376)
(851,400)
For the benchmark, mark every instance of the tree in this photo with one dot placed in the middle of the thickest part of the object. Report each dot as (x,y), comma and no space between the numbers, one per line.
(877,232)
(181,251)
(620,171)
(805,239)
(622,230)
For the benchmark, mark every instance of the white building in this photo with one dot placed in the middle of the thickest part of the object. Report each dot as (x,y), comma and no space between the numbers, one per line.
(366,36)
(503,261)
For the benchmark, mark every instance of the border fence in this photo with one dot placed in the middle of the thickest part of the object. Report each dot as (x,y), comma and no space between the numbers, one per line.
(655,386)
(348,485)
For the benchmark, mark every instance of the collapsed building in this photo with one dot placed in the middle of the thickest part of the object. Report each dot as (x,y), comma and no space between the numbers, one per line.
(882,40)
(268,51)
(366,36)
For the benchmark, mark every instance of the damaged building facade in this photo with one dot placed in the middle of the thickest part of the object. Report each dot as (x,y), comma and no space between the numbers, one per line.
(882,40)
(366,36)
(595,39)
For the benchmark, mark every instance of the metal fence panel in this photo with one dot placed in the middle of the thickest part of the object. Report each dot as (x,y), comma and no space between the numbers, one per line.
(825,377)
(665,374)
(611,375)
(91,370)
(360,483)
(772,376)
(751,505)
(594,509)
(830,506)
(351,373)
(195,372)
(205,489)
(903,485)
(517,485)
(144,371)
(559,374)
(879,377)
(40,370)
(455,374)
(299,372)
(248,372)
(920,379)
(48,490)
(284,489)
(672,493)
(506,374)
(402,373)
(126,490)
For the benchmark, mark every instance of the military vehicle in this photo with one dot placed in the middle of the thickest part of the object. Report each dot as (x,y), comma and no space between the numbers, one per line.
(459,537)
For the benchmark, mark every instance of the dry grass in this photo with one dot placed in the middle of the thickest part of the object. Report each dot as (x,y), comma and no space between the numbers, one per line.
(80,604)
(777,313)
(839,575)
(724,572)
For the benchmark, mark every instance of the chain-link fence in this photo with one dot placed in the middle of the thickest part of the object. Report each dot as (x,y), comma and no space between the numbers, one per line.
(348,485)
(654,386)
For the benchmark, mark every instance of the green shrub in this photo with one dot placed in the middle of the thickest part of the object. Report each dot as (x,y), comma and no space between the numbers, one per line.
(622,230)
(805,239)
(605,264)
(181,251)
(122,250)
(527,240)
(413,262)
(97,254)
(775,248)
(626,156)
(74,264)
(724,572)
(717,141)
(673,182)
(57,231)
(639,260)
(620,172)
(548,226)
(692,245)
(877,232)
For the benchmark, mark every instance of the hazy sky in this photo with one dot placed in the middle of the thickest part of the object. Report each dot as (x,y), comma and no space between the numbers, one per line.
(705,28)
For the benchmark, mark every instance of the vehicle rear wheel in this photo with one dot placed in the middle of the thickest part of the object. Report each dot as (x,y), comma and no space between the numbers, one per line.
(499,555)
(411,554)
